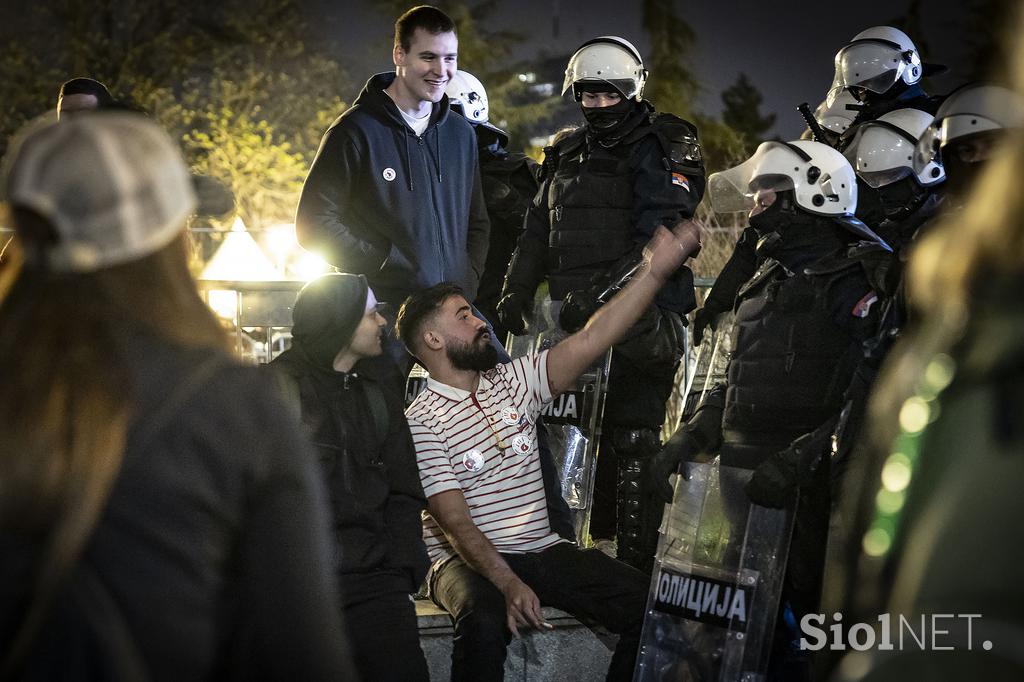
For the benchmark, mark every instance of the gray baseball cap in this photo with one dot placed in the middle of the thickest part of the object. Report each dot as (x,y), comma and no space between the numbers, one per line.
(113,185)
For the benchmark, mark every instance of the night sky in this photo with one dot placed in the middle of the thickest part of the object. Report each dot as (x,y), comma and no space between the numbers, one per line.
(786,48)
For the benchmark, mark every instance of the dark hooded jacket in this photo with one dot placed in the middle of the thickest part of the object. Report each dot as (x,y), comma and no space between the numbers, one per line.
(356,421)
(406,211)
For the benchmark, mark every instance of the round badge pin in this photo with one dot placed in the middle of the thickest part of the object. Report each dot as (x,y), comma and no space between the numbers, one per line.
(473,460)
(510,415)
(389,174)
(521,444)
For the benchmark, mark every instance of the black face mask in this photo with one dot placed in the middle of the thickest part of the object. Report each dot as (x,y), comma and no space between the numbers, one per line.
(901,199)
(604,119)
(960,176)
(869,204)
(793,236)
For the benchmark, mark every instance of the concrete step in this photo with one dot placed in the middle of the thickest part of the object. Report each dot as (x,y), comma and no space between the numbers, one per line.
(570,651)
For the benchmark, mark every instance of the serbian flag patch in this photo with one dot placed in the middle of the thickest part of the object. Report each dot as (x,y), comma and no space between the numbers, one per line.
(679,180)
(863,306)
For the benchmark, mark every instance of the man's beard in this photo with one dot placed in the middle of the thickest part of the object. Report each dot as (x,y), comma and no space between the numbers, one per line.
(472,356)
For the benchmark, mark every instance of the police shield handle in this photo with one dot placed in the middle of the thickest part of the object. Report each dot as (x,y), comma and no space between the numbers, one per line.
(667,250)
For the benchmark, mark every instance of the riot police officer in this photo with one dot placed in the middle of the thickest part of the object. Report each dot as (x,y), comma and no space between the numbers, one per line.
(800,322)
(510,181)
(878,71)
(965,131)
(605,189)
(963,138)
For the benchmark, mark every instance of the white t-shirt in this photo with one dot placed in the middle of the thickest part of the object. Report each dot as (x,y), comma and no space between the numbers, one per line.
(418,125)
(485,444)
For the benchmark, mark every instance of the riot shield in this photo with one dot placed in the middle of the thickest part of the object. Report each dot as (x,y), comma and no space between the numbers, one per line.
(711,362)
(716,584)
(573,419)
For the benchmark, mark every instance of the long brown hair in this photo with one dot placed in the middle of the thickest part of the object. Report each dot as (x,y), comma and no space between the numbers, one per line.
(66,395)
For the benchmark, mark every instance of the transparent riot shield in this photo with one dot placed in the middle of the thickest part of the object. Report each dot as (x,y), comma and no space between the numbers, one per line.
(716,584)
(710,363)
(573,419)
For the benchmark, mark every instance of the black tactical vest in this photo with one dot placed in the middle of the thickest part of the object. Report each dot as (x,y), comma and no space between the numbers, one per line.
(791,364)
(590,203)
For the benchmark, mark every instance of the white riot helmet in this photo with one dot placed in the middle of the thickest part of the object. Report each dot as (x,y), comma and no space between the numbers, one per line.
(834,115)
(883,150)
(973,109)
(876,59)
(606,60)
(821,179)
(467,92)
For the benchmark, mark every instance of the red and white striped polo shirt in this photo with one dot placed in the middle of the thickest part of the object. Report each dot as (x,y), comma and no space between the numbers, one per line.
(485,444)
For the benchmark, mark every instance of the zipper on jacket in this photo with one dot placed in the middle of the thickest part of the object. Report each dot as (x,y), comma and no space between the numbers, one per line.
(558,213)
(438,236)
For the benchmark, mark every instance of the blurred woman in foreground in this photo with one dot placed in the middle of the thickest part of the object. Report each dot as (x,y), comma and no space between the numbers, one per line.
(159,518)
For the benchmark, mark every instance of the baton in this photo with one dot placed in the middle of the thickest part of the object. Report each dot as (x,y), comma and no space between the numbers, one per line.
(817,134)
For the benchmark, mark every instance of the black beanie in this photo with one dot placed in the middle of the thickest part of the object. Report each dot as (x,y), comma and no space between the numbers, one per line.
(326,314)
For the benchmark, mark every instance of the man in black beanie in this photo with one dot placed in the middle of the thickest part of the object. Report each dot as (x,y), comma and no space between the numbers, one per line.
(351,406)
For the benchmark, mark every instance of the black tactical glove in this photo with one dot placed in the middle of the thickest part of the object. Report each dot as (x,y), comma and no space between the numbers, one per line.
(514,312)
(655,486)
(577,307)
(702,319)
(777,479)
(774,483)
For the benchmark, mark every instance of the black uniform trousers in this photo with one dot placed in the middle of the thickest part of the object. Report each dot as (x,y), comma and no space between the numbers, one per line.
(588,584)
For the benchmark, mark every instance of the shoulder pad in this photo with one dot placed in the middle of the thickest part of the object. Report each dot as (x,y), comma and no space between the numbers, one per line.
(769,269)
(831,264)
(673,127)
(678,139)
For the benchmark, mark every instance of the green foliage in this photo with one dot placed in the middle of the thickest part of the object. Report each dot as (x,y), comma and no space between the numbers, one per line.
(233,81)
(671,86)
(742,112)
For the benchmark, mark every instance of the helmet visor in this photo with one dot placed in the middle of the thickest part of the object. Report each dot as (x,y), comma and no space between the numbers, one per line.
(626,87)
(876,179)
(874,66)
(927,149)
(733,190)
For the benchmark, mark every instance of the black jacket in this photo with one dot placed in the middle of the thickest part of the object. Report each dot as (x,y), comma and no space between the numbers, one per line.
(602,199)
(510,183)
(405,211)
(213,551)
(370,469)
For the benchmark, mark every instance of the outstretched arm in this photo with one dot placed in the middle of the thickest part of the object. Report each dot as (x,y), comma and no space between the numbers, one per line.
(662,256)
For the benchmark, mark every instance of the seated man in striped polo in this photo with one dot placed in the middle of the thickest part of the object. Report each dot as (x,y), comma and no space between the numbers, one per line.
(495,558)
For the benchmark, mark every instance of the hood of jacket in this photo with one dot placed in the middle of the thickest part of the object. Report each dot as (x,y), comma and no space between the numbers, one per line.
(375,101)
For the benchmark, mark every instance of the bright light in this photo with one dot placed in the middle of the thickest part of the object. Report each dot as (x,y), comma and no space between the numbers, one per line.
(239,258)
(280,241)
(896,473)
(939,372)
(223,303)
(309,266)
(889,502)
(876,542)
(914,414)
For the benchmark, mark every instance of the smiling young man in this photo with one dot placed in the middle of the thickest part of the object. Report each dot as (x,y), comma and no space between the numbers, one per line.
(394,192)
(496,558)
(352,409)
